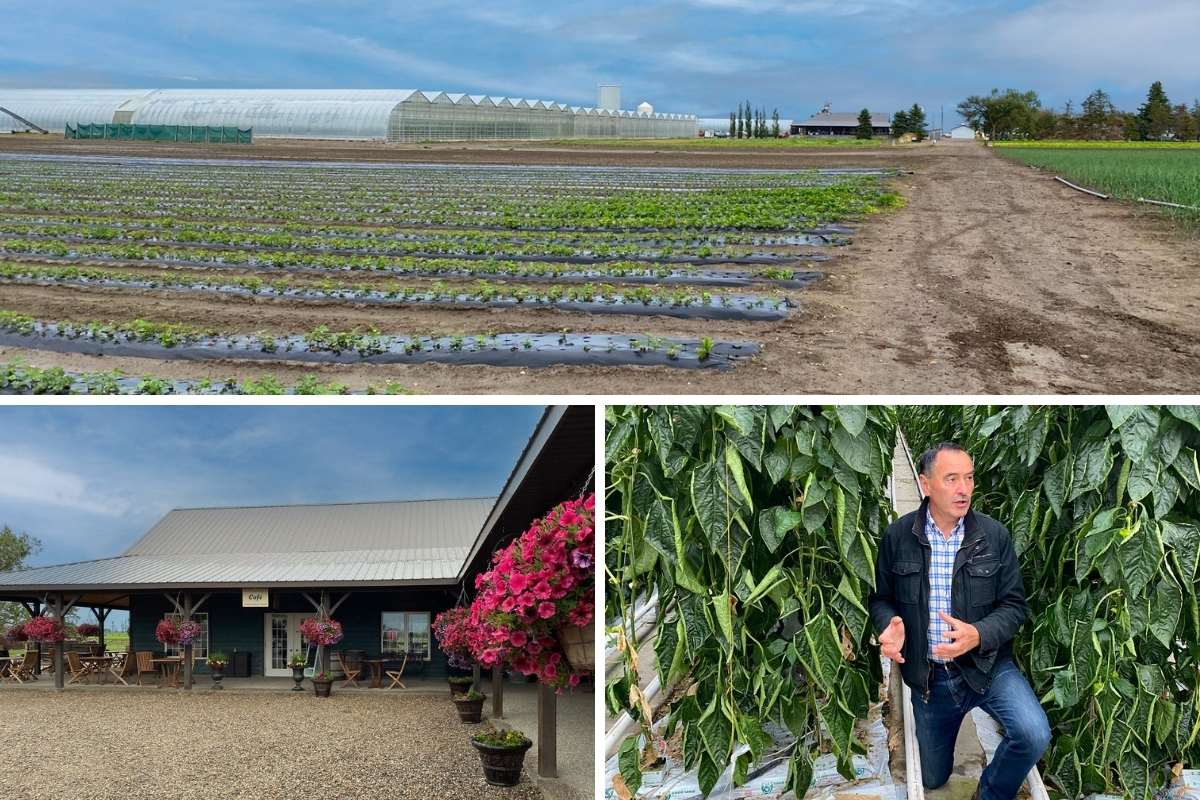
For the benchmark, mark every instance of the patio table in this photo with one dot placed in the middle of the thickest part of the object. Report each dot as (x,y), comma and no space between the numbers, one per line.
(376,665)
(97,666)
(170,670)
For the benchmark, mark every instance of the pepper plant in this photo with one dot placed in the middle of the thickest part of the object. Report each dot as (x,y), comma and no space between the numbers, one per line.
(758,528)
(1104,508)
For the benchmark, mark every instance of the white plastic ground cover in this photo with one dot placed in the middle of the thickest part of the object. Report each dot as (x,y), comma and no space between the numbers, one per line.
(768,778)
(1185,787)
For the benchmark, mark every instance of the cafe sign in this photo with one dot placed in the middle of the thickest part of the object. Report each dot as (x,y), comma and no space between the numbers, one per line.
(254,598)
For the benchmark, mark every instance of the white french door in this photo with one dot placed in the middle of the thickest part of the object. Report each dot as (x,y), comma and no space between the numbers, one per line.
(282,640)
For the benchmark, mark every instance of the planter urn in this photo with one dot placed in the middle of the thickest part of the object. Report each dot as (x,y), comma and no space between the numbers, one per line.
(469,711)
(502,765)
(298,677)
(218,674)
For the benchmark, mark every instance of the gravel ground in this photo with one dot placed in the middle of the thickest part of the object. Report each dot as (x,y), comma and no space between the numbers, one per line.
(240,745)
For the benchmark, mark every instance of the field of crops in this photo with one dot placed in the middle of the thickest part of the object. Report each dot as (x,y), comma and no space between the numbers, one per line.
(1169,171)
(506,266)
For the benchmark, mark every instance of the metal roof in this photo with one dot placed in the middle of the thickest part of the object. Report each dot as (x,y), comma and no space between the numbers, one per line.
(838,119)
(415,542)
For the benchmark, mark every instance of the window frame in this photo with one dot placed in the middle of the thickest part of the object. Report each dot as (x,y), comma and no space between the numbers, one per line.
(407,631)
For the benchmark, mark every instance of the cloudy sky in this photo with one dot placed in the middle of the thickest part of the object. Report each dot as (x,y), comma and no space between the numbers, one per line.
(89,481)
(689,56)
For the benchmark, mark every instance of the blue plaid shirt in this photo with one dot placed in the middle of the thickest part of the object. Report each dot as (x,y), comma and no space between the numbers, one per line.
(941,574)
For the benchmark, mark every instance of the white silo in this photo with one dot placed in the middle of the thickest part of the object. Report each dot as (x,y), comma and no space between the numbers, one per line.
(609,97)
(645,108)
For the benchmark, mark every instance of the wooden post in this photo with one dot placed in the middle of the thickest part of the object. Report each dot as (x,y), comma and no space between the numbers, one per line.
(101,615)
(187,648)
(476,678)
(497,692)
(59,683)
(547,726)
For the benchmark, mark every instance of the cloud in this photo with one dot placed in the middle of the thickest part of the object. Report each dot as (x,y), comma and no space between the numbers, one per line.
(28,479)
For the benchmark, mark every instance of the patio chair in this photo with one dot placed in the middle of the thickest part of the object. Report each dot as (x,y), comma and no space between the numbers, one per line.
(144,663)
(76,667)
(396,674)
(351,674)
(24,670)
(124,666)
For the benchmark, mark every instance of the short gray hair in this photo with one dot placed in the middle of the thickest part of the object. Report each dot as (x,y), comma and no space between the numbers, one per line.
(925,466)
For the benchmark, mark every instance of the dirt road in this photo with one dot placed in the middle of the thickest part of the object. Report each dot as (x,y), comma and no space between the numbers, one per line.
(993,279)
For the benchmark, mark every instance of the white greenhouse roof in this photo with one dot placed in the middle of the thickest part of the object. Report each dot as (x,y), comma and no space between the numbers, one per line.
(291,113)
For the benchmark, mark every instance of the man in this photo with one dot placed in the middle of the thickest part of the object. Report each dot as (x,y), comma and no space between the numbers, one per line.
(948,600)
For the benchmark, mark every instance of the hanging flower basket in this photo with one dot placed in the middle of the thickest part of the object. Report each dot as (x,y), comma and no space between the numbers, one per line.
(44,629)
(174,631)
(542,582)
(579,646)
(452,629)
(321,632)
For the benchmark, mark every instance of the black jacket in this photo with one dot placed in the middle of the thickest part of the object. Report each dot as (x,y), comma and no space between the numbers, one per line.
(986,591)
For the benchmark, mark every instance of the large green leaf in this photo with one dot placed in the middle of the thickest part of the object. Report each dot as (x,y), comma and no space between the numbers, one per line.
(1139,559)
(1057,484)
(853,418)
(1138,432)
(660,533)
(1091,468)
(800,770)
(821,654)
(1168,602)
(629,761)
(713,502)
(775,523)
(854,450)
(1184,539)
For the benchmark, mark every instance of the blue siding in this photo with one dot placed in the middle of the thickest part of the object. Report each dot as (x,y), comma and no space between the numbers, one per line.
(232,628)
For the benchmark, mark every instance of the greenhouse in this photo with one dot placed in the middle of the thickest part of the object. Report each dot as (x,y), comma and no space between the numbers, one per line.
(400,115)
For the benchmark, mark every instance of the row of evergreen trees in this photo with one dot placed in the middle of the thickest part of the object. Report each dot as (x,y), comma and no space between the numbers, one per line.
(750,123)
(911,121)
(1019,115)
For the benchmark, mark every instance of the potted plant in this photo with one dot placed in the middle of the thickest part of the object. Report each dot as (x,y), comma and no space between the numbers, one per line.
(459,684)
(176,631)
(216,663)
(322,683)
(469,705)
(44,629)
(502,754)
(534,608)
(298,662)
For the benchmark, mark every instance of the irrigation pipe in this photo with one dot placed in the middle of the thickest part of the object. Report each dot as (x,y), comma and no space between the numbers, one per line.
(916,788)
(1080,189)
(1169,205)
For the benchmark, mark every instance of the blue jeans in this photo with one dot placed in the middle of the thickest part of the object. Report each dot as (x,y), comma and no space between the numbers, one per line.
(1009,700)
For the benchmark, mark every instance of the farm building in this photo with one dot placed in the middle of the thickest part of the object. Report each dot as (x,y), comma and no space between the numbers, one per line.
(393,115)
(839,123)
(252,574)
(962,132)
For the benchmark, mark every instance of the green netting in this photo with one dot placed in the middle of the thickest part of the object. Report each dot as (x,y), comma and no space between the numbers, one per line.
(161,133)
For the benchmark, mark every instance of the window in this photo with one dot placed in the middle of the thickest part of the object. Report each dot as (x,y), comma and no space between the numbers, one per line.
(199,644)
(405,631)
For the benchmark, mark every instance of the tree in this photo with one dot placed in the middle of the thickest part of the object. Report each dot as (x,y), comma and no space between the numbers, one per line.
(865,131)
(1001,115)
(1096,119)
(900,124)
(916,122)
(1065,125)
(1196,117)
(739,121)
(732,126)
(14,549)
(749,129)
(1185,126)
(775,123)
(1154,116)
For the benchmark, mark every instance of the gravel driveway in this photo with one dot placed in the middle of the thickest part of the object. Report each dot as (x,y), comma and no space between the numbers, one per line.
(128,745)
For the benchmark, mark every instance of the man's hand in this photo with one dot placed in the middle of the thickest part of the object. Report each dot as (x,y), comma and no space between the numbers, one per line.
(963,638)
(891,641)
